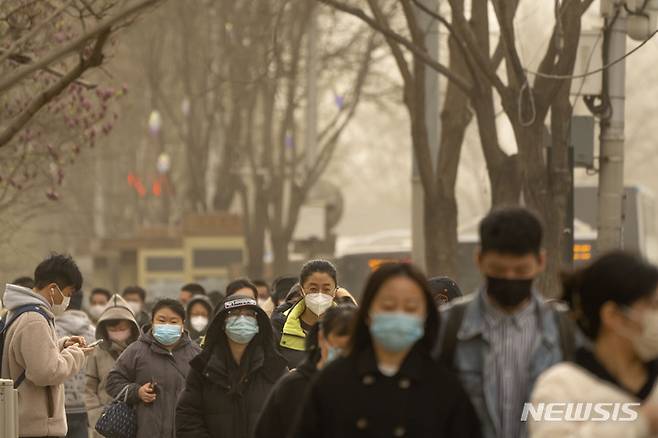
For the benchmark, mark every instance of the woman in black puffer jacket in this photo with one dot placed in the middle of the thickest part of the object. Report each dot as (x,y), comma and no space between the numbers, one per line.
(230,380)
(325,342)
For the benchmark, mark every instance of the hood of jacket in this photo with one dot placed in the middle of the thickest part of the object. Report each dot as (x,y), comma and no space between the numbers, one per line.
(74,322)
(216,341)
(116,309)
(205,301)
(17,296)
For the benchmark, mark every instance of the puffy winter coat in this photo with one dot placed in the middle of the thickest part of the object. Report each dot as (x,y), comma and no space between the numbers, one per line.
(285,402)
(101,362)
(569,382)
(146,361)
(289,335)
(223,399)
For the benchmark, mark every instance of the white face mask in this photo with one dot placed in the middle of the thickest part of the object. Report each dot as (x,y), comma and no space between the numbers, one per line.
(119,335)
(59,309)
(96,311)
(646,344)
(318,303)
(136,306)
(198,323)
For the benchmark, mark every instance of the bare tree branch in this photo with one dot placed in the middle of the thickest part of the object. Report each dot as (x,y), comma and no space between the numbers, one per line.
(35,30)
(388,33)
(516,75)
(94,60)
(23,59)
(74,45)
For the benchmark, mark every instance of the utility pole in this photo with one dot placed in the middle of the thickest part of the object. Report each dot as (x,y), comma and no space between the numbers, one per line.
(430,26)
(611,174)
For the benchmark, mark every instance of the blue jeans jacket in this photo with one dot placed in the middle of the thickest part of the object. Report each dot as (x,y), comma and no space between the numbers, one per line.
(473,360)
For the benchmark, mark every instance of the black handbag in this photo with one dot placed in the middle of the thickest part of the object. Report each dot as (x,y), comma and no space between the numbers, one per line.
(118,420)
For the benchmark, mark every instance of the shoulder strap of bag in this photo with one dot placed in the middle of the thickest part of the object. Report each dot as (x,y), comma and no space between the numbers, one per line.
(566,328)
(123,394)
(4,328)
(449,342)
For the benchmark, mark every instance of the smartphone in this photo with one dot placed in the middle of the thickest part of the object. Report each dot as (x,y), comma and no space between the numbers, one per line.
(154,385)
(95,343)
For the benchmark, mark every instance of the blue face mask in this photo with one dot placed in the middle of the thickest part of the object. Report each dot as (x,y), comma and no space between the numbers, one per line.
(396,331)
(333,353)
(167,334)
(241,329)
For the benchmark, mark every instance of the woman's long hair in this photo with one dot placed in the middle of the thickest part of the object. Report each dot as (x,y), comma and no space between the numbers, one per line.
(360,339)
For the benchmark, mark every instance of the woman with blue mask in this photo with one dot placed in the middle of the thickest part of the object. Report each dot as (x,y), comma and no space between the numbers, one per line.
(325,343)
(229,381)
(153,370)
(388,385)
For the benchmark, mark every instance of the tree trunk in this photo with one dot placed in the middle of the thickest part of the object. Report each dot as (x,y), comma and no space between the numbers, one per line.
(281,253)
(560,179)
(531,141)
(441,221)
(503,170)
(439,202)
(256,236)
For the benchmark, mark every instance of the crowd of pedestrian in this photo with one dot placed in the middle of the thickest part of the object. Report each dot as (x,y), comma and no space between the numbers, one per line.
(304,358)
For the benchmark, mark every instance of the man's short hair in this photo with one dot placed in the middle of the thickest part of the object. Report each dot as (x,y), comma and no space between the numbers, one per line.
(135,290)
(27,282)
(100,291)
(261,283)
(59,269)
(281,288)
(194,289)
(512,230)
(241,283)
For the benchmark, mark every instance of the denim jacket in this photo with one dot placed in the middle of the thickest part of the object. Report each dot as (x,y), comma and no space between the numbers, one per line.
(473,361)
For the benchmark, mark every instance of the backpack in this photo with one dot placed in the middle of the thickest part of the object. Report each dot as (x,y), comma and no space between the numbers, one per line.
(566,329)
(7,322)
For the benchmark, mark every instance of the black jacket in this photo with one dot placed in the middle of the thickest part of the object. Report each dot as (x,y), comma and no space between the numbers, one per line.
(285,402)
(351,398)
(223,399)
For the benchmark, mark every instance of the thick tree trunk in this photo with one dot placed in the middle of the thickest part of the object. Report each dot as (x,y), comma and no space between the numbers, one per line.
(440,205)
(281,254)
(503,170)
(256,237)
(560,179)
(441,218)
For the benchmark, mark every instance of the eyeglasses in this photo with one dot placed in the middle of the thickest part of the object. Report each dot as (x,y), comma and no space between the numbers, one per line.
(315,290)
(242,312)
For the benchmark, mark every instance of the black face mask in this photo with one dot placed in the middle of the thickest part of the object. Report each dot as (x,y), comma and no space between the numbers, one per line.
(508,293)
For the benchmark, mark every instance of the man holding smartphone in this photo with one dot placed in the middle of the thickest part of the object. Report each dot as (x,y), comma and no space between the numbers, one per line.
(33,357)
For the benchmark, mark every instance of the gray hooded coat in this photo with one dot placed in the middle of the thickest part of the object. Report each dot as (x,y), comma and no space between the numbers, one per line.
(105,355)
(146,361)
